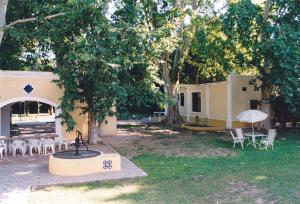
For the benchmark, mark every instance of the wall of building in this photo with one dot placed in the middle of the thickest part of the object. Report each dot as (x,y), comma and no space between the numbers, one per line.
(12,85)
(221,102)
(186,111)
(213,102)
(108,126)
(241,99)
(218,100)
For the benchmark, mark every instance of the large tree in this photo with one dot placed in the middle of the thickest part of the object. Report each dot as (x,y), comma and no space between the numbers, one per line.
(253,31)
(93,53)
(169,29)
(85,47)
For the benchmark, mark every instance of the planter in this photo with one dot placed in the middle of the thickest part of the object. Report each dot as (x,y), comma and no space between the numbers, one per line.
(204,128)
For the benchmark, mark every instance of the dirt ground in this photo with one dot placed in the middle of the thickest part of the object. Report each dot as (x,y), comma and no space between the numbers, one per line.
(140,139)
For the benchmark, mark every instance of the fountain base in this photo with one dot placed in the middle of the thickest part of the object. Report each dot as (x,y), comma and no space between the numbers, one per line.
(66,163)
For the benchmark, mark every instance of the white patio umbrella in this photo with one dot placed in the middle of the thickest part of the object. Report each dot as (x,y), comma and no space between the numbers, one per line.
(251,116)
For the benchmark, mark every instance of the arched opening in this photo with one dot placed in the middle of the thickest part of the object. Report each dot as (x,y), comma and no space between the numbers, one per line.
(29,116)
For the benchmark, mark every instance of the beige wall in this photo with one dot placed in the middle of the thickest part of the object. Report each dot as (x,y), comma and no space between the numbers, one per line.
(216,101)
(219,101)
(108,127)
(12,86)
(241,99)
(11,91)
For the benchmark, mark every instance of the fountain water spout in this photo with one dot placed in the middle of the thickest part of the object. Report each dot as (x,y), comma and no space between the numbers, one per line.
(79,139)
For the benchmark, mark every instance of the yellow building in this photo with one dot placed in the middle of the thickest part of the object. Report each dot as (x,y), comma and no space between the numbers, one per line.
(218,103)
(16,86)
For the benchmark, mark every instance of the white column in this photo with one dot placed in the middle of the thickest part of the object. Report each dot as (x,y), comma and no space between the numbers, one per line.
(207,107)
(5,120)
(229,103)
(58,128)
(188,105)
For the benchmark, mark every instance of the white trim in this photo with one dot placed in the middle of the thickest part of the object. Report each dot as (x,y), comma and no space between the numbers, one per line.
(197,85)
(58,126)
(27,98)
(188,104)
(207,107)
(229,103)
(25,74)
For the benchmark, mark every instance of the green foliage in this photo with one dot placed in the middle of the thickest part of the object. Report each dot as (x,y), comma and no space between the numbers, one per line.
(275,54)
(207,60)
(101,62)
(19,48)
(285,52)
(88,62)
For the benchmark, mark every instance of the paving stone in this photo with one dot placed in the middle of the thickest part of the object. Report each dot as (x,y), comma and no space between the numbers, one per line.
(18,175)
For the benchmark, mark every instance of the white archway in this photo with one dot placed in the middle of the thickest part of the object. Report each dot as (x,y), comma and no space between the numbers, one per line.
(58,126)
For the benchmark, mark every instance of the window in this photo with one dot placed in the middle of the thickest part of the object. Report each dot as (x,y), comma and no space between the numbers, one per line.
(244,88)
(181,99)
(196,102)
(253,104)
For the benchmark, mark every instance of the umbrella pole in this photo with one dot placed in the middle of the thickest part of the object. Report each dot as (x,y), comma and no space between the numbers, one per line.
(253,137)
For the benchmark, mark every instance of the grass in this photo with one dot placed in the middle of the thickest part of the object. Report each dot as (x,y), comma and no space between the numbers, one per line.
(250,176)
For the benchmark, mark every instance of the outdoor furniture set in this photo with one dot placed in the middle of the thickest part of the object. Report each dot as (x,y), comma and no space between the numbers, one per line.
(12,145)
(253,116)
(266,140)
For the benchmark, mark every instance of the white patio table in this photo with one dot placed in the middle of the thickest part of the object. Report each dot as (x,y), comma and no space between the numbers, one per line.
(253,136)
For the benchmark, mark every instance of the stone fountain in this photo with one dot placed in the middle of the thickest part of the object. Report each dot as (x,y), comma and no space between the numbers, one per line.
(80,162)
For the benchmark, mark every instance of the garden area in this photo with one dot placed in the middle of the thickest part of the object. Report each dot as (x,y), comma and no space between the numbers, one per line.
(186,72)
(191,167)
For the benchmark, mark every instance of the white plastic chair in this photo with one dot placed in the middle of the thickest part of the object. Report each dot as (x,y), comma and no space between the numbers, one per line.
(3,148)
(239,132)
(34,144)
(269,140)
(237,139)
(48,144)
(59,141)
(18,145)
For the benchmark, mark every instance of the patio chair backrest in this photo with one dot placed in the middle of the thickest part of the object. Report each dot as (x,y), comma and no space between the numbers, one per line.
(2,142)
(271,137)
(34,142)
(271,131)
(239,133)
(232,135)
(58,139)
(48,141)
(18,143)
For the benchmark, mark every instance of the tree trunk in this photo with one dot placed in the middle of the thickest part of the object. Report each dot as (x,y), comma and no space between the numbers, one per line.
(173,116)
(266,92)
(3,7)
(93,125)
(267,86)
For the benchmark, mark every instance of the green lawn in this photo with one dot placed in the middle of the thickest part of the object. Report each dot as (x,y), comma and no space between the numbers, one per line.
(248,176)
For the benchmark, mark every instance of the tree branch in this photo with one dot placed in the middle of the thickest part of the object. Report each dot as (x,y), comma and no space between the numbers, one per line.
(29,20)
